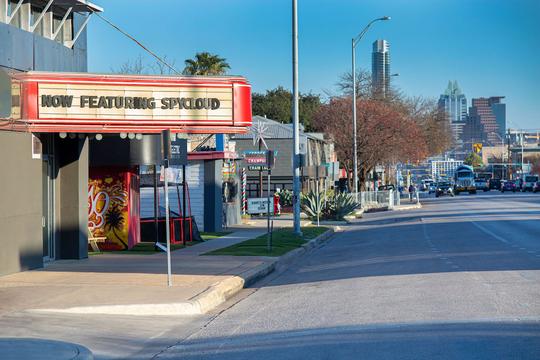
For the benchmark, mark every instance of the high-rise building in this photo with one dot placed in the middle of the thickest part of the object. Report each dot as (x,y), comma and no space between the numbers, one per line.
(490,113)
(380,67)
(454,103)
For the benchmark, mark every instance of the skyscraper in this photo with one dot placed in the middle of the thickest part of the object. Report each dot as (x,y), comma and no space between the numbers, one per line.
(380,67)
(454,103)
(491,114)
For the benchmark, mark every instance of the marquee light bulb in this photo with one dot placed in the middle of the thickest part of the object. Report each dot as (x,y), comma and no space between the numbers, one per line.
(138,136)
(62,135)
(123,135)
(131,136)
(99,137)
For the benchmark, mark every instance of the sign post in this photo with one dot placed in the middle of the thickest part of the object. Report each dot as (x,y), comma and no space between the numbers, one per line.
(269,164)
(166,151)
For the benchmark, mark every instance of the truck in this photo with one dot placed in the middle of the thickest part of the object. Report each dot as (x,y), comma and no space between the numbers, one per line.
(528,182)
(464,180)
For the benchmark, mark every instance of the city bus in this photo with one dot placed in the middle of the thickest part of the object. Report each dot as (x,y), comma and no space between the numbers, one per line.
(464,180)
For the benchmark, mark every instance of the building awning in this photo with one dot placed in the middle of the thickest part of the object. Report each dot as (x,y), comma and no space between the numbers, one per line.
(213,155)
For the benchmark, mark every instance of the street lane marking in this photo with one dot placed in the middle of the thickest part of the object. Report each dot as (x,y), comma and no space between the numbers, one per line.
(500,238)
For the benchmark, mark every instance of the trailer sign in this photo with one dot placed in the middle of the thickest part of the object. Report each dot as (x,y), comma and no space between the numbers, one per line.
(260,206)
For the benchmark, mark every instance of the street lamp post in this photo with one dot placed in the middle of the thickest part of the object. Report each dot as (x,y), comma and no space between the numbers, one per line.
(355,146)
(502,152)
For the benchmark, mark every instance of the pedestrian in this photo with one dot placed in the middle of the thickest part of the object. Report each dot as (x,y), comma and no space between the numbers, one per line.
(412,190)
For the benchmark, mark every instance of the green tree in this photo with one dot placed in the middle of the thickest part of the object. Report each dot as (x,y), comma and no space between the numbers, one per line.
(473,160)
(276,104)
(205,63)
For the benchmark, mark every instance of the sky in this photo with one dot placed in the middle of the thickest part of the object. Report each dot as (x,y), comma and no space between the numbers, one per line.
(491,47)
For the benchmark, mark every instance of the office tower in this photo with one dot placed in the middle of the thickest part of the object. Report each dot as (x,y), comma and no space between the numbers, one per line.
(380,68)
(491,114)
(454,103)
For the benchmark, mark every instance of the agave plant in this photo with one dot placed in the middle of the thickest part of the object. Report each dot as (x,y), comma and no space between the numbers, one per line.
(312,204)
(341,205)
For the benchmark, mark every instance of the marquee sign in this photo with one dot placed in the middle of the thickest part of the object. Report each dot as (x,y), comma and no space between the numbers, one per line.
(67,102)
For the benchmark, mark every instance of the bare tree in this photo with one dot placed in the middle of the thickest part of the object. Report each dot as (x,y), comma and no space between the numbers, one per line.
(135,66)
(161,69)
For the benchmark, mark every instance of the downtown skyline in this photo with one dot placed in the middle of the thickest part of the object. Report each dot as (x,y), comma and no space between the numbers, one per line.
(478,49)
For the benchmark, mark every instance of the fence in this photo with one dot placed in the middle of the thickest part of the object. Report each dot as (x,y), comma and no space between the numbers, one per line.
(386,198)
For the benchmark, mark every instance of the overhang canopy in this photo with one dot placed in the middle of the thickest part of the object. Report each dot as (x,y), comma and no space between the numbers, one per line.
(107,103)
(80,6)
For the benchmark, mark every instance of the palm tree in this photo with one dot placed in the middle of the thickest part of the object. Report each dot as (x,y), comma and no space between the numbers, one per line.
(114,222)
(206,64)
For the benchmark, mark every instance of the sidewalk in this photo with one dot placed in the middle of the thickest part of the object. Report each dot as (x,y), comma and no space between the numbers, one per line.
(124,284)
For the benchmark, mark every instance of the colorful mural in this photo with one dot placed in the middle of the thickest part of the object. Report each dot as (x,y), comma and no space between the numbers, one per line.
(113,207)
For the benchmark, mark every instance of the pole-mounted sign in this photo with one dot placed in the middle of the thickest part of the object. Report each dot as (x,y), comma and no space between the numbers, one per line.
(477,147)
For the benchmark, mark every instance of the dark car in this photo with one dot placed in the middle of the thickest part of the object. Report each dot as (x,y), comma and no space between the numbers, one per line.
(508,186)
(536,186)
(494,184)
(387,187)
(443,188)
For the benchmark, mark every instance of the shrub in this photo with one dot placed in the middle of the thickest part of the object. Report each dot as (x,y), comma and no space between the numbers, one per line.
(285,197)
(312,204)
(341,205)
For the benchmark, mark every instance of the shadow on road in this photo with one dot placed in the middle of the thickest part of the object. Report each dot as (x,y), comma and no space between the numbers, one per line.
(475,340)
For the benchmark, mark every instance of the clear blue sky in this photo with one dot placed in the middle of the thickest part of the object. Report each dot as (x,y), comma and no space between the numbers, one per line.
(491,47)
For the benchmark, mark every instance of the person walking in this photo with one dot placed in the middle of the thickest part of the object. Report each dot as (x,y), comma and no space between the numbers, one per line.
(412,190)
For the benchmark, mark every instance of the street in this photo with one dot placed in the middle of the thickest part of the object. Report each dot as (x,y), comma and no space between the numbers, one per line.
(457,279)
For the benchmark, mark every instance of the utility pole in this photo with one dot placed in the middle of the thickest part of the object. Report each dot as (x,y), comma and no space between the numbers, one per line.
(296,137)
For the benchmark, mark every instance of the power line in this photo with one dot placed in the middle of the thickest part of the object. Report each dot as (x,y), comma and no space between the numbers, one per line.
(138,43)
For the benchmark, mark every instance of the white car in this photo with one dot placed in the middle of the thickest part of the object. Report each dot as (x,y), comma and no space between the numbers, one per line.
(481,184)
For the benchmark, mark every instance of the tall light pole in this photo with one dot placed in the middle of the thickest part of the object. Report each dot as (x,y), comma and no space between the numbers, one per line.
(296,137)
(355,146)
(502,153)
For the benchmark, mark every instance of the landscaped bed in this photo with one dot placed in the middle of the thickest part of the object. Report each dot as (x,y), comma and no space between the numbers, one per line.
(283,241)
(147,248)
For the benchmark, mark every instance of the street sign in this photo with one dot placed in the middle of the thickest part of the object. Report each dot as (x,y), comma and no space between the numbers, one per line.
(179,152)
(477,147)
(257,167)
(260,159)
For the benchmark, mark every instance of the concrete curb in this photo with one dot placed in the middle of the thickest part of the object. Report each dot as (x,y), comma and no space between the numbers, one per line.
(207,300)
(407,207)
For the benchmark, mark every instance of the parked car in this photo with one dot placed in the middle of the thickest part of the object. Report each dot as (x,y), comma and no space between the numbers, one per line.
(508,185)
(536,186)
(444,188)
(387,187)
(494,184)
(481,184)
(529,182)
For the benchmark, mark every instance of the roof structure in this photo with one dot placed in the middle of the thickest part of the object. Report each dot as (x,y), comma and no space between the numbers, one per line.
(275,130)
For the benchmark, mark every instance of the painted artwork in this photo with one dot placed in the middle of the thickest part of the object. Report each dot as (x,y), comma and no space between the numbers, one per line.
(113,207)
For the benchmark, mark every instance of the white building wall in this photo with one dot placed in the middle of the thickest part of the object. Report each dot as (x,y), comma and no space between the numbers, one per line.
(446,167)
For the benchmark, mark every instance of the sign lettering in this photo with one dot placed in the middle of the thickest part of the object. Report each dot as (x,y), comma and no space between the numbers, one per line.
(134,102)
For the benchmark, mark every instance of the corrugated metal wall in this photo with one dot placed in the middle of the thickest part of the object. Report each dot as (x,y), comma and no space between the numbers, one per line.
(195,179)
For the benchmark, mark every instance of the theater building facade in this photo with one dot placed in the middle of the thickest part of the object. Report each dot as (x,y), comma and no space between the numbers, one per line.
(72,144)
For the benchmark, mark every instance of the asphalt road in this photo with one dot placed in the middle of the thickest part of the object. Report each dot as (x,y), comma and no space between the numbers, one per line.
(457,279)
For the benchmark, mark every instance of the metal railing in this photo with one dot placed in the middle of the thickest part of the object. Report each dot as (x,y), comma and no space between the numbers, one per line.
(386,198)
